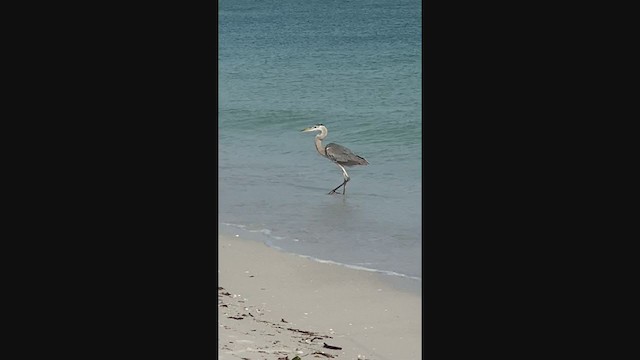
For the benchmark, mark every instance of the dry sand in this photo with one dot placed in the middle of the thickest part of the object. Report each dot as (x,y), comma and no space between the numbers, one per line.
(274,305)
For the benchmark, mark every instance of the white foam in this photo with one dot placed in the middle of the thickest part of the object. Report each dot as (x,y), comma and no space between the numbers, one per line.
(234,225)
(264,231)
(356,267)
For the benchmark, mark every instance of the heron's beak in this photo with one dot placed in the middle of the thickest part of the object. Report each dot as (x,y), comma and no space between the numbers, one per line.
(306,129)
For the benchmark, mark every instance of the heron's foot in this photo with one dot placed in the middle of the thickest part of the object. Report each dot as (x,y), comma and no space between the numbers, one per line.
(333,192)
(338,187)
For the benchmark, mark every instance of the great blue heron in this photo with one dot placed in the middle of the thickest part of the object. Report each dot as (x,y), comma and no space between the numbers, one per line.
(339,154)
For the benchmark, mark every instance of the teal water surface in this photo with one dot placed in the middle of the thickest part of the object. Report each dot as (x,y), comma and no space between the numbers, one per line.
(354,66)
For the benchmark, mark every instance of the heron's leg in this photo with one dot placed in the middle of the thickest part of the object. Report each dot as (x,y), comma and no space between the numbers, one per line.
(334,190)
(344,183)
(344,189)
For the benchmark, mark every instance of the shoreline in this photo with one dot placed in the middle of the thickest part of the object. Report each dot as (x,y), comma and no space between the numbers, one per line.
(399,281)
(272,302)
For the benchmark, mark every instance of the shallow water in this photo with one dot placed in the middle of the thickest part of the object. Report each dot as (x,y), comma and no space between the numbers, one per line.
(354,66)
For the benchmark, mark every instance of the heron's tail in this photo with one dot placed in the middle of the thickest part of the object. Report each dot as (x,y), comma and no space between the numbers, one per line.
(362,161)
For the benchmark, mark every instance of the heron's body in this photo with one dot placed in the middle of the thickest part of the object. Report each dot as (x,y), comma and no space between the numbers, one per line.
(339,154)
(343,156)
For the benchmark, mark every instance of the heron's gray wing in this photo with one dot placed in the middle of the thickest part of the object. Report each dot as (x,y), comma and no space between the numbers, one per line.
(343,156)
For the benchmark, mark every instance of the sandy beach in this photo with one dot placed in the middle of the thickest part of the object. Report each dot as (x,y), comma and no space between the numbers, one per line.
(274,305)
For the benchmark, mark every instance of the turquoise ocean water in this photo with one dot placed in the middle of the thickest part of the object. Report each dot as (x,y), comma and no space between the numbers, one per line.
(354,66)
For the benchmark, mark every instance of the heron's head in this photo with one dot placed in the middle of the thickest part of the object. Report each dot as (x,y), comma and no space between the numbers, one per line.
(316,127)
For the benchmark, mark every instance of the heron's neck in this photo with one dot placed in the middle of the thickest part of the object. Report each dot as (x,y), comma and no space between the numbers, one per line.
(319,146)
